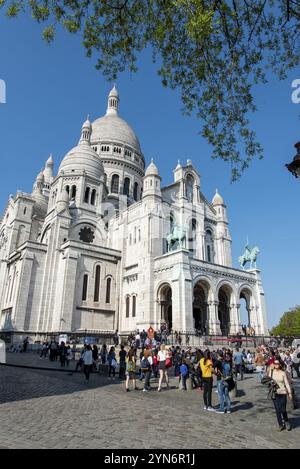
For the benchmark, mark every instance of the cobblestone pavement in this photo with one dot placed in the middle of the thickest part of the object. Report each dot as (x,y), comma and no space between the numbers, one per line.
(48,409)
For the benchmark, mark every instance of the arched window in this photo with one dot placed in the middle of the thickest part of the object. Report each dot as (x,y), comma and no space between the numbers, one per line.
(73,193)
(87,195)
(189,187)
(135,191)
(209,243)
(127,306)
(93,197)
(115,184)
(208,253)
(108,289)
(192,235)
(85,287)
(126,188)
(68,189)
(97,284)
(133,306)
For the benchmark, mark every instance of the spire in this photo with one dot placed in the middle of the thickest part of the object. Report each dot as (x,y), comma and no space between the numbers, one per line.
(113,102)
(218,199)
(86,131)
(39,183)
(48,171)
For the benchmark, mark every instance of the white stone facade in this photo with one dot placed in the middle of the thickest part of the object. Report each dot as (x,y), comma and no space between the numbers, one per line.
(90,249)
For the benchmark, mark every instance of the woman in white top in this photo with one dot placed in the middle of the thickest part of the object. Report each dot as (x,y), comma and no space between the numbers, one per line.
(163,371)
(87,358)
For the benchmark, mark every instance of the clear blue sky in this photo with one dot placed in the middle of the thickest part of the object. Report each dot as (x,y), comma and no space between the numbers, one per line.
(50,91)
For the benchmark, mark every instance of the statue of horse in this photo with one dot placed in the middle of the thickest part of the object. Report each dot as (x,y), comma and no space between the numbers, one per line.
(178,233)
(250,255)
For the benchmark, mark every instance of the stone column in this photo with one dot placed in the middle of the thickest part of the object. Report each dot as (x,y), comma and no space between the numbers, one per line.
(234,319)
(213,321)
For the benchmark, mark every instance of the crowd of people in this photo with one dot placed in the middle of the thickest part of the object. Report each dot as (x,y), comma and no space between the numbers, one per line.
(147,360)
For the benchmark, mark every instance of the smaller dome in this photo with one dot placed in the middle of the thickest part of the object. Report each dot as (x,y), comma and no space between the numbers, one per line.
(40,207)
(218,199)
(50,161)
(82,159)
(40,177)
(151,170)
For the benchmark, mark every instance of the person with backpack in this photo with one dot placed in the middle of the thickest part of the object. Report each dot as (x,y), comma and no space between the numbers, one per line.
(146,364)
(130,369)
(184,374)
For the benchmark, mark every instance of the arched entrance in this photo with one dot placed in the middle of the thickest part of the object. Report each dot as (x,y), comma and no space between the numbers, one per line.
(224,297)
(165,302)
(200,307)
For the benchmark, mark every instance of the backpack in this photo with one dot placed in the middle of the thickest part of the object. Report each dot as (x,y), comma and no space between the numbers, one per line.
(183,370)
(145,364)
(130,366)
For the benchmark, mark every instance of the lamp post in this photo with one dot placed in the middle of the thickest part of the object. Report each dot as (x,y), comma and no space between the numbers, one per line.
(294,166)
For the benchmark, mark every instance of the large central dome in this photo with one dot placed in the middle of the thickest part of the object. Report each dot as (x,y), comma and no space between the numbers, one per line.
(111,128)
(120,152)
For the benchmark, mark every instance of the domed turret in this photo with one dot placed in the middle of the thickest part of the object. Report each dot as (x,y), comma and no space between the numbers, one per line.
(41,202)
(218,200)
(152,169)
(152,181)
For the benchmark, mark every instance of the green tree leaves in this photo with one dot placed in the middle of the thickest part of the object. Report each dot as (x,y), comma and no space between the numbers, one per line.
(289,324)
(213,51)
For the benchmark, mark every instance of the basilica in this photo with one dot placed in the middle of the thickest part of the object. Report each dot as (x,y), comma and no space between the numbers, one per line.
(102,246)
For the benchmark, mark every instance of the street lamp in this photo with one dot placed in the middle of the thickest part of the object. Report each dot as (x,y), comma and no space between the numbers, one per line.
(294,166)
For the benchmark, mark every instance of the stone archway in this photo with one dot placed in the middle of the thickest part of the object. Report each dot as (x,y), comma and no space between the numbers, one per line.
(224,299)
(200,306)
(165,301)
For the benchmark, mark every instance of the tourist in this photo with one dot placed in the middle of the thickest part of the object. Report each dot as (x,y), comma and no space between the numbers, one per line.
(206,365)
(95,356)
(130,369)
(122,360)
(103,354)
(62,354)
(280,394)
(87,358)
(238,361)
(112,362)
(69,355)
(218,370)
(25,344)
(184,374)
(163,371)
(296,360)
(146,364)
